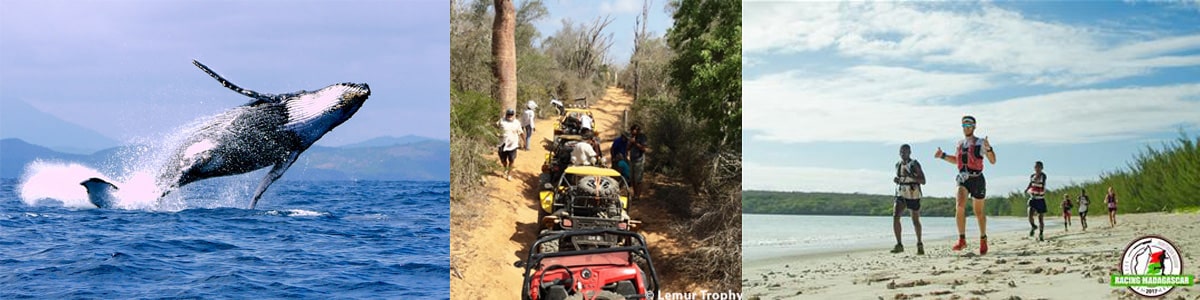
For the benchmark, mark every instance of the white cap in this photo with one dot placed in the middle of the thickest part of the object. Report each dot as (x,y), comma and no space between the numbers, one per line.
(532,105)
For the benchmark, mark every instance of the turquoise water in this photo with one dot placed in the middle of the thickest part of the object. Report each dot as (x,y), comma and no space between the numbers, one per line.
(774,236)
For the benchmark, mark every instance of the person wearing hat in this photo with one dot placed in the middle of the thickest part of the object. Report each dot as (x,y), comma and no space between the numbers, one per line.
(968,157)
(586,152)
(510,139)
(527,122)
(558,106)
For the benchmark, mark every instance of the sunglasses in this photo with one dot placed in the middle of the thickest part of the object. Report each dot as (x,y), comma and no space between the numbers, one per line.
(968,125)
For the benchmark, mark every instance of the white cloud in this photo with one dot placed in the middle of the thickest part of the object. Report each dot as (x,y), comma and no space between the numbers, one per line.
(998,40)
(940,183)
(900,105)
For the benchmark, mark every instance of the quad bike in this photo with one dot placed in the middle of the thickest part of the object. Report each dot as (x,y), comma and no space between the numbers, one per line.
(586,198)
(613,273)
(570,126)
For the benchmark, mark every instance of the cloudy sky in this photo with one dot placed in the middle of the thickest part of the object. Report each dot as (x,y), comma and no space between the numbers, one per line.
(833,89)
(123,68)
(624,14)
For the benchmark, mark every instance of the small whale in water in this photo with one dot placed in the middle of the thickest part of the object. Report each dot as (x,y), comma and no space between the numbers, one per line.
(269,131)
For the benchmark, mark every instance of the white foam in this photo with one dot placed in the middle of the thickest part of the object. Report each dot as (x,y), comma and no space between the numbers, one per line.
(61,181)
(304,213)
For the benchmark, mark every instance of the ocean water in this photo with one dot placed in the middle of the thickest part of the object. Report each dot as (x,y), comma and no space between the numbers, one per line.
(775,236)
(326,240)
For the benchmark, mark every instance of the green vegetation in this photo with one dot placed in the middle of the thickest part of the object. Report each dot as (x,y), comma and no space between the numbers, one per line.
(801,203)
(569,64)
(688,92)
(1157,181)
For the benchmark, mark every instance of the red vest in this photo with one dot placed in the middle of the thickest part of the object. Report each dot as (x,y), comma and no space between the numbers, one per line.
(970,155)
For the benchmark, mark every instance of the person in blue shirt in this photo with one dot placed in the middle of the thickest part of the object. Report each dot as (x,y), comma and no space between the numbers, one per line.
(620,146)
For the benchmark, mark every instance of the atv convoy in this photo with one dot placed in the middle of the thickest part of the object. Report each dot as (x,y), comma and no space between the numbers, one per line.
(586,198)
(612,273)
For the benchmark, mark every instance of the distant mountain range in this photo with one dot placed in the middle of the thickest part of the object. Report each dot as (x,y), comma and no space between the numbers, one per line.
(385,141)
(387,158)
(23,121)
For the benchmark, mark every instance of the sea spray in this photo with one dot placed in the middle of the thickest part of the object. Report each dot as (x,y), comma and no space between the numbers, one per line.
(53,181)
(46,182)
(135,170)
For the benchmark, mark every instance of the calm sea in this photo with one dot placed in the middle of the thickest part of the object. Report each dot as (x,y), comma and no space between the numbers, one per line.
(774,236)
(326,240)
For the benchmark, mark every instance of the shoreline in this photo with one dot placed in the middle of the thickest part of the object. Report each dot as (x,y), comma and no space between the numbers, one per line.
(1068,265)
(886,244)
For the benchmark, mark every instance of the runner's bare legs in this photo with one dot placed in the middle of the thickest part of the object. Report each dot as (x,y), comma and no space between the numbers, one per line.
(980,217)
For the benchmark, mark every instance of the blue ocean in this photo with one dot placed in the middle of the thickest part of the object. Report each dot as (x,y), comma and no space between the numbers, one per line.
(324,239)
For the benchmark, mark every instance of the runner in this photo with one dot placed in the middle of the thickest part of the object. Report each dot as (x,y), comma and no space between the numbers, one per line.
(1066,207)
(1083,208)
(510,140)
(1111,201)
(909,178)
(1037,200)
(969,157)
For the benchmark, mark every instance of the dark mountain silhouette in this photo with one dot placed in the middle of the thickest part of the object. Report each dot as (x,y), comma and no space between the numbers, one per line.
(23,121)
(421,160)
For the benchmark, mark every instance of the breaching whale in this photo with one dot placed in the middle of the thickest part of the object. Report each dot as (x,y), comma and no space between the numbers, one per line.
(269,131)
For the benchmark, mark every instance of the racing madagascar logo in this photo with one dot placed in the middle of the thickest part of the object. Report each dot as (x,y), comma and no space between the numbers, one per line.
(1151,267)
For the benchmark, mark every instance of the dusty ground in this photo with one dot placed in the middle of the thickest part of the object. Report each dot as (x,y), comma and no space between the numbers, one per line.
(1068,265)
(483,253)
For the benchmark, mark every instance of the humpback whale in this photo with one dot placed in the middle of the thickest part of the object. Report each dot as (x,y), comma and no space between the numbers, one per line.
(269,131)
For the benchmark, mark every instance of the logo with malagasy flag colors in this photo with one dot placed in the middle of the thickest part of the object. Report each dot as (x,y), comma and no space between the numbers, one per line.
(1151,267)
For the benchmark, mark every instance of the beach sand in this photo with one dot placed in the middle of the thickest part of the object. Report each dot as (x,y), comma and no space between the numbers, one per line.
(1068,265)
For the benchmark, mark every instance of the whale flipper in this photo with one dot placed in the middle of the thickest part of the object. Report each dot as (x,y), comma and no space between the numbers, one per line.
(274,174)
(259,97)
(100,192)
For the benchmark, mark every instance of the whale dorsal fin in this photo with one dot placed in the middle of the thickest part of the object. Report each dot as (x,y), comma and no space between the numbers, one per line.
(258,97)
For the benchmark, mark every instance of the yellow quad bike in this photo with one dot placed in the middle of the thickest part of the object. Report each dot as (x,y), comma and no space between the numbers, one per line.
(586,197)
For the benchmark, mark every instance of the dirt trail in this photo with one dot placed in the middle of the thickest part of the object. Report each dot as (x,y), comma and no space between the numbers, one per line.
(485,271)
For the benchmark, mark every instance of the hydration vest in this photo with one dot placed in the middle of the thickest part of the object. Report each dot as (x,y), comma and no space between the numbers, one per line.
(970,155)
(1037,185)
(908,188)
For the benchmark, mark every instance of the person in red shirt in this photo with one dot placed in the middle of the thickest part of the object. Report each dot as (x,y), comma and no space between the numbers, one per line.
(968,157)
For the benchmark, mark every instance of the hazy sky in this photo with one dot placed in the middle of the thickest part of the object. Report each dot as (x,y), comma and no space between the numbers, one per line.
(124,68)
(833,89)
(624,14)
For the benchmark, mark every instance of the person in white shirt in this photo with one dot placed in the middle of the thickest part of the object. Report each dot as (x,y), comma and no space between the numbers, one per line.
(585,124)
(510,139)
(527,122)
(585,153)
(558,105)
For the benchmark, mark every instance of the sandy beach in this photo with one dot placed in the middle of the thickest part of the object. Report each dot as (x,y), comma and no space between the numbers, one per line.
(1068,265)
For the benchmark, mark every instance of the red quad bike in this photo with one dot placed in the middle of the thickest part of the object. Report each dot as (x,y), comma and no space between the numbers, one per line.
(591,274)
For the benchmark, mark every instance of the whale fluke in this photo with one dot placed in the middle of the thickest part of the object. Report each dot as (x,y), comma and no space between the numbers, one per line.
(100,192)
